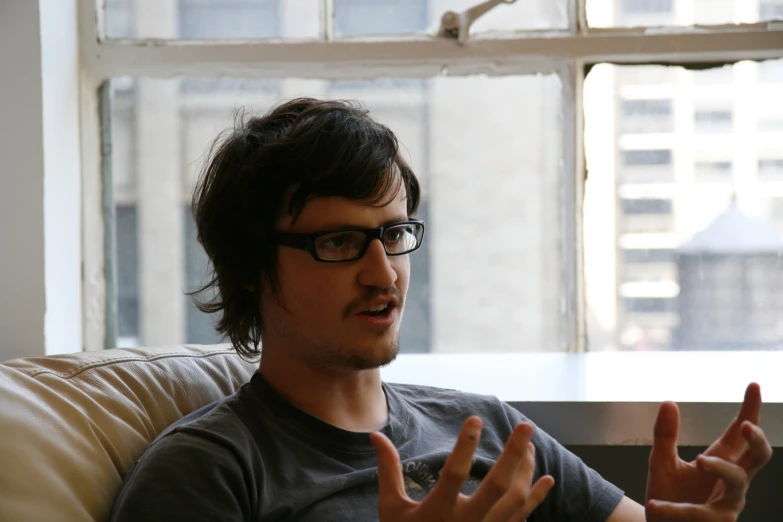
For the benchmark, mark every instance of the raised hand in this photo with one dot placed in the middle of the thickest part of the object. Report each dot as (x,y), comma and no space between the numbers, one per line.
(712,487)
(506,494)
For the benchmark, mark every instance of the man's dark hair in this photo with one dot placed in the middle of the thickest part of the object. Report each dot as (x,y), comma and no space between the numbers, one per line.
(304,148)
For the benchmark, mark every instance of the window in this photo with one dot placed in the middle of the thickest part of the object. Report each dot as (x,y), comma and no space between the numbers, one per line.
(213,19)
(647,206)
(691,211)
(356,17)
(646,215)
(643,116)
(646,166)
(127,275)
(712,171)
(647,6)
(771,168)
(770,10)
(645,158)
(713,119)
(441,314)
(648,255)
(229,19)
(496,120)
(649,305)
(629,13)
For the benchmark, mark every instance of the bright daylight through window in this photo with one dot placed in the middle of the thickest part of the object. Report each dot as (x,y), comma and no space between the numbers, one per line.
(678,242)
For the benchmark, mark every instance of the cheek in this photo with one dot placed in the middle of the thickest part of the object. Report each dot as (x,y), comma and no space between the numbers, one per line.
(313,289)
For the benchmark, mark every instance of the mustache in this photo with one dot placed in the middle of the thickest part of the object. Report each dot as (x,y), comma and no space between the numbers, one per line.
(371,295)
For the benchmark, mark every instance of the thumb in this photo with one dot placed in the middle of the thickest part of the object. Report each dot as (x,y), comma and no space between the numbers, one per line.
(665,433)
(391,485)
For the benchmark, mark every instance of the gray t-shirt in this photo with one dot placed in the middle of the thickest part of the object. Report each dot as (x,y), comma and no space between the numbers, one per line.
(255,457)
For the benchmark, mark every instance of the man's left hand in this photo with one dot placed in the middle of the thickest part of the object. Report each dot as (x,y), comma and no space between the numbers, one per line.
(713,487)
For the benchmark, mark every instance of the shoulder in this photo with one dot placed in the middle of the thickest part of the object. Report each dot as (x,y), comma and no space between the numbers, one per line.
(205,458)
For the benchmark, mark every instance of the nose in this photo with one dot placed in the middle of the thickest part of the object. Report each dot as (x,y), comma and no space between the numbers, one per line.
(376,267)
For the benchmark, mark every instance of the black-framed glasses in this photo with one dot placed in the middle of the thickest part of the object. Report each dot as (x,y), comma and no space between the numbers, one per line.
(350,244)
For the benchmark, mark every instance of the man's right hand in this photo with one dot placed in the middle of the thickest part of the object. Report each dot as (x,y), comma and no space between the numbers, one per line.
(506,494)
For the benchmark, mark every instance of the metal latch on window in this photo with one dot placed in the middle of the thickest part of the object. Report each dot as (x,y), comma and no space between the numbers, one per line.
(457,25)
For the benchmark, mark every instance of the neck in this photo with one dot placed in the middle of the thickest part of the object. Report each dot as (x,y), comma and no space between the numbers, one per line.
(352,400)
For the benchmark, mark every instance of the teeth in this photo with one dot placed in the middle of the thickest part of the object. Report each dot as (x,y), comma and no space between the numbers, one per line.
(379,308)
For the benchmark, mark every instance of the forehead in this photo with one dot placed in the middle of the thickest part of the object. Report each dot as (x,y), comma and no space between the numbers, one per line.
(327,212)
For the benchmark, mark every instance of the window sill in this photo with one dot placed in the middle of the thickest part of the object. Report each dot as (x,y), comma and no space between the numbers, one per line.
(611,398)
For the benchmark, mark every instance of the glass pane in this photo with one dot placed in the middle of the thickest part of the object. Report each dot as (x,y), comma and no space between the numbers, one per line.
(223,19)
(640,13)
(487,275)
(683,211)
(377,17)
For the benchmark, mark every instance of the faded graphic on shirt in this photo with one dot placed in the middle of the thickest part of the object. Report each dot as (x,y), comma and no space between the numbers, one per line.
(420,479)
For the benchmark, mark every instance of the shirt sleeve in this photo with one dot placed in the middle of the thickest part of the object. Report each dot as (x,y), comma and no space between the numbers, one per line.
(186,477)
(579,493)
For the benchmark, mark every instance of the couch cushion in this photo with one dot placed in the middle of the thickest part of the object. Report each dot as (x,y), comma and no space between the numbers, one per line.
(72,425)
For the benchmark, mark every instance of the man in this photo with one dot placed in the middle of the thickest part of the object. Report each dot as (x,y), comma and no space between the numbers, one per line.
(307,215)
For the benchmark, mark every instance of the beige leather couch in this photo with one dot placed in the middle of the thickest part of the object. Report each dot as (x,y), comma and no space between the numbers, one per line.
(72,425)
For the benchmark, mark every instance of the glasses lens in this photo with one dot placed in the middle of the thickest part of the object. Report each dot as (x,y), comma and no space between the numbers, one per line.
(403,238)
(340,246)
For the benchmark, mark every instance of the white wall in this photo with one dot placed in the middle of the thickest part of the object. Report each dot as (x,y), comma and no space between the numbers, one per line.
(62,175)
(22,296)
(39,174)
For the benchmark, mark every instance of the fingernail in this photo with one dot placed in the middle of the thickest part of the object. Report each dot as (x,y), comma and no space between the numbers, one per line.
(474,429)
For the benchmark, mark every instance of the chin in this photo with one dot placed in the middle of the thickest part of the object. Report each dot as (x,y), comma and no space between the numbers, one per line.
(375,356)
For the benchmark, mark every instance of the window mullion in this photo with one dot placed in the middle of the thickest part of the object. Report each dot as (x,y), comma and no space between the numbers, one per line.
(327,7)
(425,56)
(572,297)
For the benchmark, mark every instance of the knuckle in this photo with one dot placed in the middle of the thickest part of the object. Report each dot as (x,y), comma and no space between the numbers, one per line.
(495,487)
(450,474)
(518,494)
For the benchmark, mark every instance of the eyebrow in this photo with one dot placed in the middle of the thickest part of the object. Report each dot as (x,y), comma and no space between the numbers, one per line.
(340,226)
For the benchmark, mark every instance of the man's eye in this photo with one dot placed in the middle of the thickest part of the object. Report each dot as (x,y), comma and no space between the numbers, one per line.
(339,241)
(336,242)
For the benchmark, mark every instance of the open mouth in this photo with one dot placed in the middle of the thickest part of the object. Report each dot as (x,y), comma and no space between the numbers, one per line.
(378,311)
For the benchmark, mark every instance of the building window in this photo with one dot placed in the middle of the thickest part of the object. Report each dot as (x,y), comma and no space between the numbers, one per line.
(229,19)
(646,166)
(771,168)
(127,235)
(712,171)
(647,216)
(368,17)
(770,10)
(199,327)
(646,116)
(650,305)
(647,158)
(648,255)
(713,119)
(647,206)
(642,7)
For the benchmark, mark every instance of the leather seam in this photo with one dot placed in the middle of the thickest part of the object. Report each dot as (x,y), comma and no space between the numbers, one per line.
(169,355)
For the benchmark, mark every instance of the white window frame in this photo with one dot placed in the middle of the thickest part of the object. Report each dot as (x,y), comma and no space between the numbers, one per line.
(563,52)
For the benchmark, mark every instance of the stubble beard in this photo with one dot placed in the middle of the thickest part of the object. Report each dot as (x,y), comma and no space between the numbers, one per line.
(354,358)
